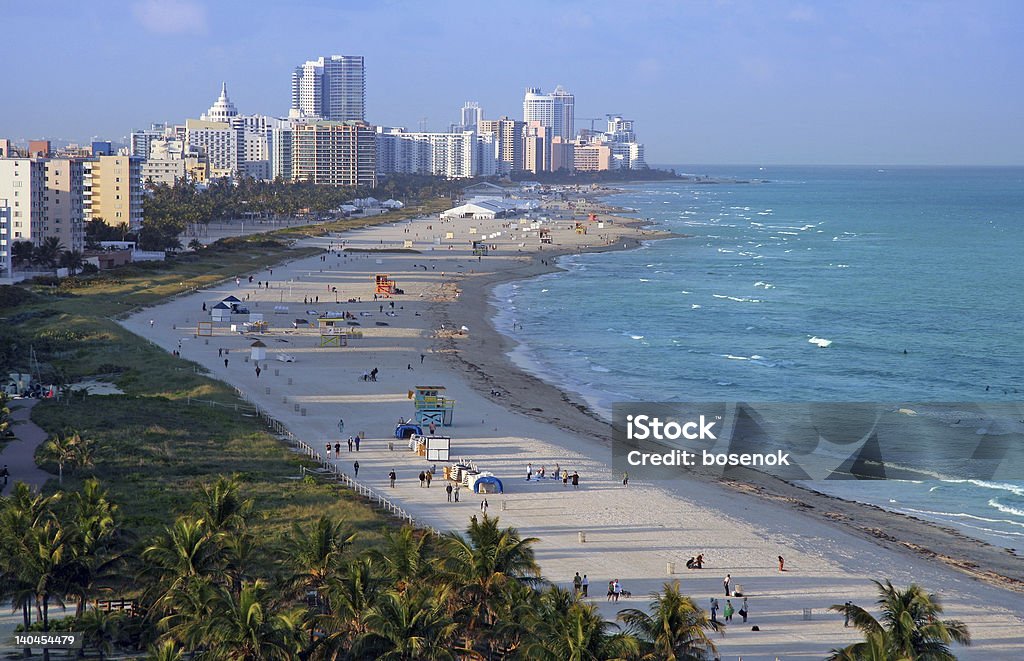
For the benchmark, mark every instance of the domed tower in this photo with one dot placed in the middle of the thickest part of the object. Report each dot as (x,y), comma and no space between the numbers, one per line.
(222,110)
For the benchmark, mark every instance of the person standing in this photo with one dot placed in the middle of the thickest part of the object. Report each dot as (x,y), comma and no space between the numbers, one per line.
(577,583)
(4,473)
(429,477)
(565,478)
(225,362)
(448,489)
(457,493)
(357,442)
(258,370)
(529,471)
(617,589)
(611,589)
(744,610)
(575,480)
(350,442)
(625,479)
(846,614)
(782,563)
(725,583)
(392,476)
(728,610)
(422,478)
(355,465)
(328,451)
(337,448)
(585,584)
(714,610)
(422,356)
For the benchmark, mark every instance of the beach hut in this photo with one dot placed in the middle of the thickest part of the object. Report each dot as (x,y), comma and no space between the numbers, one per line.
(220,312)
(257,351)
(486,483)
(230,299)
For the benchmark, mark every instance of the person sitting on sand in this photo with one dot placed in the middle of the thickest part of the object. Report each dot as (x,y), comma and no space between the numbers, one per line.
(691,563)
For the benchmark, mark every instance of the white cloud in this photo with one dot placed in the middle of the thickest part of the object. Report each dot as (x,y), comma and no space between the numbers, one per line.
(171,16)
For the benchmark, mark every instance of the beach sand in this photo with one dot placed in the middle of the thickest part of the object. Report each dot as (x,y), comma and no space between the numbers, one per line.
(832,548)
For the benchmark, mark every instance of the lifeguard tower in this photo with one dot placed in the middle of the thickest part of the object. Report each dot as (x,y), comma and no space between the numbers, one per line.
(333,332)
(581,228)
(545,235)
(385,285)
(479,248)
(432,406)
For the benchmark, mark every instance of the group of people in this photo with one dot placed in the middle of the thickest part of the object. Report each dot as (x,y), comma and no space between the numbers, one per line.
(729,610)
(541,473)
(580,584)
(695,562)
(371,375)
(353,443)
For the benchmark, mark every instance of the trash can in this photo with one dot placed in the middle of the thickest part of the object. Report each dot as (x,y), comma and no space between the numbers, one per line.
(807,613)
(582,537)
(504,505)
(670,567)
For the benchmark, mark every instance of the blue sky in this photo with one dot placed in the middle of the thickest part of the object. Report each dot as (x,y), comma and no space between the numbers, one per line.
(759,82)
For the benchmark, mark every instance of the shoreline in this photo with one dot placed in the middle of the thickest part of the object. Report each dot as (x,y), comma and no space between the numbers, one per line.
(998,566)
(638,534)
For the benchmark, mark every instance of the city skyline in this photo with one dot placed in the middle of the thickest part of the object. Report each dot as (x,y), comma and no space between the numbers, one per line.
(709,82)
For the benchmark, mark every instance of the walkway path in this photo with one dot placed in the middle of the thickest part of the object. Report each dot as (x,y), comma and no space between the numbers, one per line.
(19,455)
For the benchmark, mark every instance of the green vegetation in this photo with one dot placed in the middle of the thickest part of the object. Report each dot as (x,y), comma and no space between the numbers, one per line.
(909,628)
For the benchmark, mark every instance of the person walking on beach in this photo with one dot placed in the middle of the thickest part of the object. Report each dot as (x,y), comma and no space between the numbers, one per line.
(151,322)
(258,370)
(350,443)
(577,583)
(575,480)
(625,479)
(846,614)
(585,584)
(392,476)
(565,478)
(611,589)
(355,466)
(428,476)
(782,563)
(529,471)
(743,610)
(358,438)
(422,477)
(714,610)
(456,493)
(728,610)
(617,589)
(337,448)
(225,362)
(725,583)
(422,356)
(558,472)
(448,488)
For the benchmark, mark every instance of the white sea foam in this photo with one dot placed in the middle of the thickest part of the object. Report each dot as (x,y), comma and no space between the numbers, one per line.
(1005,509)
(695,307)
(820,342)
(599,368)
(637,337)
(738,299)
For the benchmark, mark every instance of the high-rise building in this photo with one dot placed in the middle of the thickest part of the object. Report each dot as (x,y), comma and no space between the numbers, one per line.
(554,111)
(222,109)
(592,158)
(330,88)
(218,142)
(22,185)
(537,147)
(454,155)
(141,139)
(44,198)
(508,142)
(112,188)
(470,116)
(334,153)
(63,202)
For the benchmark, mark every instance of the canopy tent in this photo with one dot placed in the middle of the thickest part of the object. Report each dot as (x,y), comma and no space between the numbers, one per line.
(486,483)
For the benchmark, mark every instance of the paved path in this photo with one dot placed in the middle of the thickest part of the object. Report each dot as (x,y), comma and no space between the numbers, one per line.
(19,454)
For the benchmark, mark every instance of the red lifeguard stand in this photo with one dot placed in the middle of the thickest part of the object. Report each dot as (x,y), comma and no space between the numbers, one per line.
(385,285)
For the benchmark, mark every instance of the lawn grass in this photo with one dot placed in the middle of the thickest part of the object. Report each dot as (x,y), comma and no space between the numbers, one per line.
(155,444)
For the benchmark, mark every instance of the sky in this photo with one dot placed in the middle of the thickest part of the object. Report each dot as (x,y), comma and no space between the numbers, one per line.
(707,82)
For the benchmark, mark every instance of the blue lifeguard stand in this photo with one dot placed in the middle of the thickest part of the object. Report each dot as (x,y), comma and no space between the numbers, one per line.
(432,405)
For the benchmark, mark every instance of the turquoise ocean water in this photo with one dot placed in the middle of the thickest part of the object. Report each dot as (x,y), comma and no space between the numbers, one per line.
(876,260)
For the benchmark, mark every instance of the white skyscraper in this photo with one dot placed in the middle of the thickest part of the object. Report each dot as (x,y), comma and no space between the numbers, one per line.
(471,116)
(555,111)
(331,89)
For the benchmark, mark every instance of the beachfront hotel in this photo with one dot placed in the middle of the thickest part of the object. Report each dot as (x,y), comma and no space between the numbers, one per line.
(330,88)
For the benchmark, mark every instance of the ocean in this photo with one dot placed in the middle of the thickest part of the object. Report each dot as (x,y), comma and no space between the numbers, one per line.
(911,275)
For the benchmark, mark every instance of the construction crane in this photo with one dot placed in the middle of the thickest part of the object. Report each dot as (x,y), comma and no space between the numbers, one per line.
(592,120)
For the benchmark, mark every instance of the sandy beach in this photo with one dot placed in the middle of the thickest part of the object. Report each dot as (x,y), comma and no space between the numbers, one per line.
(833,548)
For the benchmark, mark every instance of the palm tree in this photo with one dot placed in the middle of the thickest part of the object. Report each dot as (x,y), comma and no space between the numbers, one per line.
(97,526)
(68,449)
(168,650)
(6,421)
(250,627)
(482,562)
(183,556)
(72,260)
(909,628)
(675,628)
(408,625)
(48,251)
(311,556)
(403,557)
(100,629)
(349,595)
(221,506)
(22,252)
(565,627)
(47,557)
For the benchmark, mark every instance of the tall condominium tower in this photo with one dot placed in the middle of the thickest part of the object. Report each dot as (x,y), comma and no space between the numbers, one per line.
(330,88)
(554,111)
(471,116)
